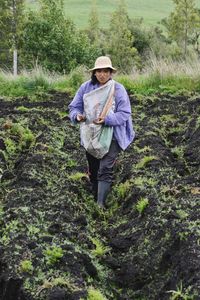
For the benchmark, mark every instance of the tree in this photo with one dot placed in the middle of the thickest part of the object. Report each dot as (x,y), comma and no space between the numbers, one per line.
(141,39)
(181,22)
(196,34)
(94,30)
(4,33)
(11,20)
(45,37)
(96,34)
(120,40)
(51,40)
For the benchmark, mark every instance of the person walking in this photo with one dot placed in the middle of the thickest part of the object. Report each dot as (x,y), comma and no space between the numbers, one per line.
(102,108)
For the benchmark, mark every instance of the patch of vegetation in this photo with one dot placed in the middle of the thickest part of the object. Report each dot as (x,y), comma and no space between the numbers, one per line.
(123,188)
(77,176)
(182,294)
(48,213)
(53,255)
(26,266)
(17,137)
(144,161)
(100,249)
(141,205)
(55,282)
(37,82)
(95,294)
(9,231)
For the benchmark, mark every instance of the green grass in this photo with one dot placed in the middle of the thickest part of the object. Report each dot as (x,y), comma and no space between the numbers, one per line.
(163,76)
(94,294)
(152,11)
(25,84)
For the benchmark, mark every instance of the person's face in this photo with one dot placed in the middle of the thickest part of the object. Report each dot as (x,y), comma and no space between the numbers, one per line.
(103,75)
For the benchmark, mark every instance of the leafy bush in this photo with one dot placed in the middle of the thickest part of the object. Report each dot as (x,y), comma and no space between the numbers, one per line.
(52,41)
(76,78)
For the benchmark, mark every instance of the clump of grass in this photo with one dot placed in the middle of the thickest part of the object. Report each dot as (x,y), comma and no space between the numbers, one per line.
(143,150)
(53,282)
(164,75)
(141,182)
(95,294)
(123,188)
(17,137)
(25,134)
(26,266)
(40,81)
(100,249)
(178,151)
(160,75)
(144,161)
(77,176)
(27,83)
(182,294)
(141,205)
(53,255)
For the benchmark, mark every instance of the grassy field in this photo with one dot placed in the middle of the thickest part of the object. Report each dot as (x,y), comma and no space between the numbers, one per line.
(152,11)
(160,76)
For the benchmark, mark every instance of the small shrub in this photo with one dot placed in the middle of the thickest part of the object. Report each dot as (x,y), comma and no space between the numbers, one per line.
(76,78)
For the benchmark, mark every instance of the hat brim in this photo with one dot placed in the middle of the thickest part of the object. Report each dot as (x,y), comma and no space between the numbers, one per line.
(103,67)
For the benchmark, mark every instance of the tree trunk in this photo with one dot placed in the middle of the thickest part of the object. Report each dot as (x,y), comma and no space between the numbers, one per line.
(15,62)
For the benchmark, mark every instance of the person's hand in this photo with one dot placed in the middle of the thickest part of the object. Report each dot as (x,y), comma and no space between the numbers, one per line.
(98,121)
(80,118)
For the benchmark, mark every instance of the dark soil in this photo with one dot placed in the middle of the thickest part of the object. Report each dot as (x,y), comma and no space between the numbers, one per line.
(128,252)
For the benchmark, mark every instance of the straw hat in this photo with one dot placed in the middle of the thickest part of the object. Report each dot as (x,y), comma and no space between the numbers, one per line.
(103,62)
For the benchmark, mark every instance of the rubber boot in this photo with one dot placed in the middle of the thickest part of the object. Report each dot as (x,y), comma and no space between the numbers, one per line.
(95,189)
(103,190)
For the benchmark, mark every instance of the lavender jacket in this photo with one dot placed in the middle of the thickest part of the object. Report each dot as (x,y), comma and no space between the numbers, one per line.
(120,119)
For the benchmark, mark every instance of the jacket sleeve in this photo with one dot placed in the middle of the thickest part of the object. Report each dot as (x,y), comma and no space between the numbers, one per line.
(76,106)
(122,108)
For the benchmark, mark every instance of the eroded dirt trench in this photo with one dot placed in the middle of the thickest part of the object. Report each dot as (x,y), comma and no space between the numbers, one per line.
(54,241)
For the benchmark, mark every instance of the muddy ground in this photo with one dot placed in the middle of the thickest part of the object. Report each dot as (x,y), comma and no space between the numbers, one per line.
(54,241)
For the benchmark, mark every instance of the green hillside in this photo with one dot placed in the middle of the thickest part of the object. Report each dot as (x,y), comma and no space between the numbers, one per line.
(152,11)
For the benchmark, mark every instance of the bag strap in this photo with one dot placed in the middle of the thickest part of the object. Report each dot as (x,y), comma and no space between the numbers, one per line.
(109,103)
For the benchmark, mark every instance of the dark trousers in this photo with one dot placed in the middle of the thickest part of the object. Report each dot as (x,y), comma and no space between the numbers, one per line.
(102,169)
